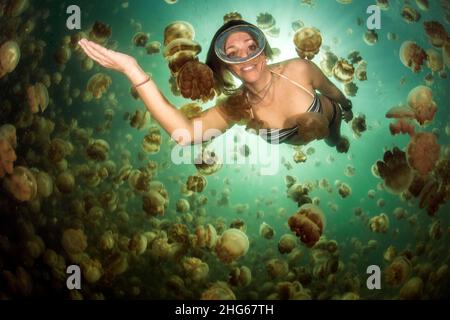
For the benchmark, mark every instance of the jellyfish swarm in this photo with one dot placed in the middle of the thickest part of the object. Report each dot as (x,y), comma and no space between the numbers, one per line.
(194,79)
(395,171)
(308,224)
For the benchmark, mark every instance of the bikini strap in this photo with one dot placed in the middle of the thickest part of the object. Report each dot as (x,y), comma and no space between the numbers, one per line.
(294,83)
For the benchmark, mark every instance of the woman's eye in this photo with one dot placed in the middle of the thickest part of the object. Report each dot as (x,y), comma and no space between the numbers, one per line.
(231,54)
(253,47)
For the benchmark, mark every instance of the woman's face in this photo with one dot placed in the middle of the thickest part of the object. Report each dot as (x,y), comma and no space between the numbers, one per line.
(241,44)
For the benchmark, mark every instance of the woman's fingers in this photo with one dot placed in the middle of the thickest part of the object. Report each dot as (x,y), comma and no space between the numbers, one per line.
(94,55)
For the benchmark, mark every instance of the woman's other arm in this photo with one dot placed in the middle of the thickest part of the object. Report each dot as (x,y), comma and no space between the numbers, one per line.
(177,125)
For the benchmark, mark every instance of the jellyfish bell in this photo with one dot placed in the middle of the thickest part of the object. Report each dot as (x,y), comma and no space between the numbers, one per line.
(308,224)
(307,41)
(21,184)
(178,29)
(38,98)
(423,152)
(232,245)
(412,56)
(343,71)
(420,100)
(98,84)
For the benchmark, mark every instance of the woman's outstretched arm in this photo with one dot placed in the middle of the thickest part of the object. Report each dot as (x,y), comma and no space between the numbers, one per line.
(170,118)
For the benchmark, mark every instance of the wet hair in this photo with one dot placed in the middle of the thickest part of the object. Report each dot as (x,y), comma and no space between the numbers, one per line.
(222,75)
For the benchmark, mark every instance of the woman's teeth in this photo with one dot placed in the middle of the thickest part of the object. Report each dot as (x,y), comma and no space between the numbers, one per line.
(248,68)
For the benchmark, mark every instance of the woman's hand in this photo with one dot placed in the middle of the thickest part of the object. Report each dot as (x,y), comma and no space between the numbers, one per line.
(111,59)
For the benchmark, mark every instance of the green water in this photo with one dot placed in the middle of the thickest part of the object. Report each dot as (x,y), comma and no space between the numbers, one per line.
(146,276)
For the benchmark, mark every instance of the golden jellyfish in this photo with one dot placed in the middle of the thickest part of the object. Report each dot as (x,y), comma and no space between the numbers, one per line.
(423,152)
(153,47)
(65,182)
(299,157)
(420,100)
(435,61)
(154,203)
(152,141)
(307,42)
(107,241)
(98,84)
(287,243)
(413,289)
(383,4)
(63,55)
(8,141)
(206,237)
(232,245)
(140,39)
(412,55)
(435,231)
(44,184)
(177,30)
(395,171)
(138,244)
(370,37)
(195,269)
(182,205)
(436,33)
(196,81)
(266,231)
(277,268)
(208,163)
(218,291)
(349,171)
(230,16)
(344,190)
(343,71)
(409,14)
(38,98)
(361,71)
(350,89)
(265,21)
(92,270)
(328,62)
(21,184)
(196,183)
(308,224)
(74,241)
(140,119)
(398,271)
(9,57)
(97,150)
(379,224)
(296,25)
(390,253)
(100,33)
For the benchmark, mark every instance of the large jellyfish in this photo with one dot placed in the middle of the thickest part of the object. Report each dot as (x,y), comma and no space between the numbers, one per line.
(395,171)
(178,29)
(436,33)
(412,56)
(307,42)
(9,57)
(420,100)
(232,245)
(308,224)
(196,81)
(423,152)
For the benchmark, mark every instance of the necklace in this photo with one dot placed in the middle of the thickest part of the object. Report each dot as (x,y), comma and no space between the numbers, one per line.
(266,88)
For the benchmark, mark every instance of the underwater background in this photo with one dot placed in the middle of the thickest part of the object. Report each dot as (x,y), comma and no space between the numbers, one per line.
(94,185)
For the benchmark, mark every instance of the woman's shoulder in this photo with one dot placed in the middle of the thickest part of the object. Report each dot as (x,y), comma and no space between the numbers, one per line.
(287,65)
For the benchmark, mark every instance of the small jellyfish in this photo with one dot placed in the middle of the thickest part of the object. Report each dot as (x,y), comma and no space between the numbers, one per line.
(74,241)
(392,36)
(307,42)
(153,47)
(359,125)
(152,141)
(9,57)
(412,55)
(383,4)
(97,150)
(344,190)
(266,231)
(140,39)
(139,119)
(38,98)
(98,84)
(395,171)
(390,253)
(21,184)
(299,157)
(297,25)
(230,16)
(196,183)
(287,243)
(409,14)
(437,35)
(308,224)
(218,291)
(361,71)
(232,245)
(240,277)
(65,182)
(423,152)
(350,89)
(208,163)
(277,268)
(370,37)
(265,21)
(343,71)
(195,269)
(379,224)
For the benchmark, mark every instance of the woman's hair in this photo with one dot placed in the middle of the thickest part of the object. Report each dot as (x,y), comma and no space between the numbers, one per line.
(222,76)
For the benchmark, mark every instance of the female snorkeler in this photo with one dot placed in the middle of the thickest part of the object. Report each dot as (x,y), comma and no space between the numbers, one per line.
(278,99)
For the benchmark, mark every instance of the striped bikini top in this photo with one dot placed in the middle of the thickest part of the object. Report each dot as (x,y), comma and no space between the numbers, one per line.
(276,136)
